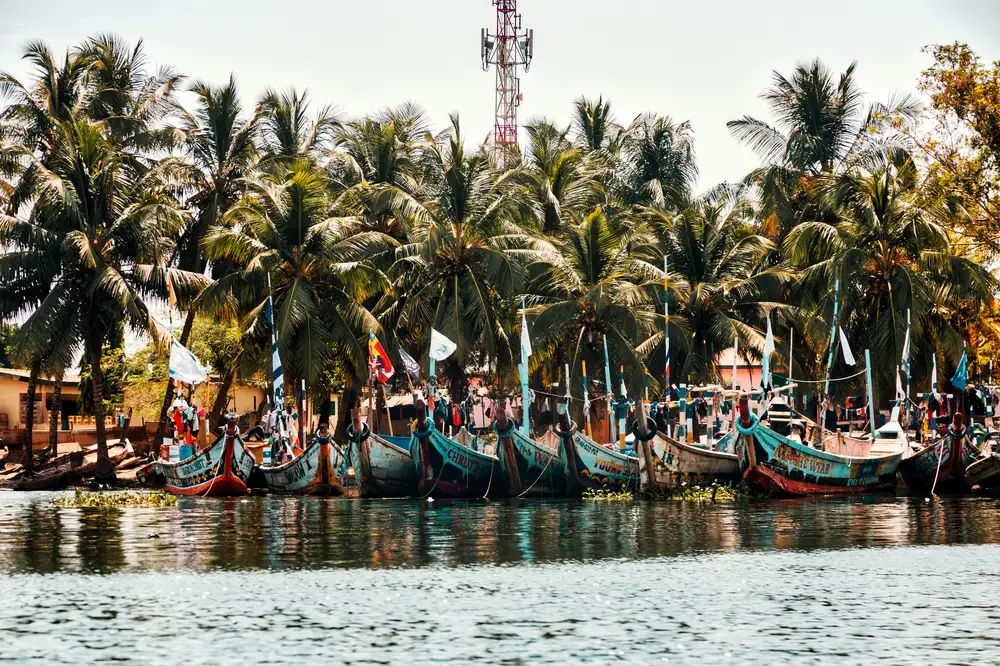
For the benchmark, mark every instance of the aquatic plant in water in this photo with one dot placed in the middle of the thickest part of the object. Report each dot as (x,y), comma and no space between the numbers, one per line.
(117,500)
(603,495)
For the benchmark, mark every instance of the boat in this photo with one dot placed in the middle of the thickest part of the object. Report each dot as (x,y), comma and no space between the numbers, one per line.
(384,466)
(984,472)
(665,463)
(530,467)
(315,471)
(941,466)
(590,466)
(222,470)
(785,466)
(54,478)
(452,467)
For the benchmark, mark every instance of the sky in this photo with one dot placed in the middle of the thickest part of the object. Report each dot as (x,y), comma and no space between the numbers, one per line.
(705,61)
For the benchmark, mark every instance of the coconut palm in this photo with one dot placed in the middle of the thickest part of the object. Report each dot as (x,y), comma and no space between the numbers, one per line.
(112,226)
(289,132)
(821,125)
(594,285)
(559,176)
(891,252)
(720,289)
(281,238)
(466,253)
(656,163)
(594,124)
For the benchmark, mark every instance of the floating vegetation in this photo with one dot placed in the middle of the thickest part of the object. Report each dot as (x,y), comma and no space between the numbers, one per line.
(714,493)
(603,495)
(118,500)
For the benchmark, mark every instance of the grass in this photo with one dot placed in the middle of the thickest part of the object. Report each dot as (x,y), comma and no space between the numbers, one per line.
(603,495)
(117,500)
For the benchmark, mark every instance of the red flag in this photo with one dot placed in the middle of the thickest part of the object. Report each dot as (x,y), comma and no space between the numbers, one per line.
(378,360)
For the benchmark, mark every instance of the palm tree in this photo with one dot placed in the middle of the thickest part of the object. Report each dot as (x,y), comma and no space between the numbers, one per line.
(221,155)
(891,251)
(559,176)
(594,285)
(594,123)
(281,237)
(111,226)
(821,125)
(288,133)
(657,163)
(466,253)
(720,288)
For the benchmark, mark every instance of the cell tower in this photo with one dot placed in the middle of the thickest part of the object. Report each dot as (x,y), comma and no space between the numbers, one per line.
(508,48)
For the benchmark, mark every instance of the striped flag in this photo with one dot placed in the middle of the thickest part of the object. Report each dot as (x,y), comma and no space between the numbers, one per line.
(277,372)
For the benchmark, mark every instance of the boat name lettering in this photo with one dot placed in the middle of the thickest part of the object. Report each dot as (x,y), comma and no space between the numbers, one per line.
(801,460)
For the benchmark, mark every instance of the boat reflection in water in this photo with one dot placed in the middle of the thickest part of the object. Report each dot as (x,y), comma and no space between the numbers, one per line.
(284,533)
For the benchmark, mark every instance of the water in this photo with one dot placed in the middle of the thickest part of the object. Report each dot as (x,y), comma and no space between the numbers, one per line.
(305,581)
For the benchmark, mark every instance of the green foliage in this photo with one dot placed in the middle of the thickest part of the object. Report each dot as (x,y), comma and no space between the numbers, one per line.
(604,495)
(7,355)
(83,499)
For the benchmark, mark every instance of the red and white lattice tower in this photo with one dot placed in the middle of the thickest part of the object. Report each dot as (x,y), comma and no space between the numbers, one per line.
(508,48)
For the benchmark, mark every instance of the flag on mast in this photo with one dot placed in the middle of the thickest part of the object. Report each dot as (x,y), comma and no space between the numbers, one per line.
(441,347)
(378,361)
(277,372)
(961,377)
(848,355)
(185,366)
(768,350)
(410,365)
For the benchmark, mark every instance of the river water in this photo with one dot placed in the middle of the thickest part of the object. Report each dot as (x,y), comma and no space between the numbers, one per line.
(307,581)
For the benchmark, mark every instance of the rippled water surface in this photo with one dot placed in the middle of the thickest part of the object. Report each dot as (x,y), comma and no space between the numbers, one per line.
(306,581)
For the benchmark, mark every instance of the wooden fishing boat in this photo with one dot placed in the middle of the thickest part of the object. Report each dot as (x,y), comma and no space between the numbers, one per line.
(984,472)
(665,463)
(221,470)
(54,478)
(590,466)
(384,467)
(313,472)
(530,467)
(783,466)
(452,467)
(941,466)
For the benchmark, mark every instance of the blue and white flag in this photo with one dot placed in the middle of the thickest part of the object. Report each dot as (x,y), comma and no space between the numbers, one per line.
(845,345)
(525,339)
(277,372)
(185,366)
(961,378)
(441,347)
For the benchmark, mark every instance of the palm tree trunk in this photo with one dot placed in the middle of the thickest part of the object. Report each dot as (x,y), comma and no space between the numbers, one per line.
(222,397)
(168,396)
(54,417)
(458,383)
(105,470)
(29,417)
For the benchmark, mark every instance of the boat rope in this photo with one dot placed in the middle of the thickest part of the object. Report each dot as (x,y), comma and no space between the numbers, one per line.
(434,487)
(489,485)
(544,469)
(218,469)
(938,471)
(821,381)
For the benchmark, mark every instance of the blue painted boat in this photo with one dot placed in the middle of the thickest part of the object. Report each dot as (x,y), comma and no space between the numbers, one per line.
(590,466)
(782,466)
(530,467)
(942,466)
(384,467)
(448,468)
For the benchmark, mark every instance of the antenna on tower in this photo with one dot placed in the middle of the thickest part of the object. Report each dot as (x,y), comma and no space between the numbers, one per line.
(508,48)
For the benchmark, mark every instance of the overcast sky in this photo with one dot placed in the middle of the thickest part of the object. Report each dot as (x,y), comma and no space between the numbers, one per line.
(701,61)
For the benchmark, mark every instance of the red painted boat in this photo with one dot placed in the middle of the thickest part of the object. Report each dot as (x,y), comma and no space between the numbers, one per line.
(941,467)
(221,470)
(779,465)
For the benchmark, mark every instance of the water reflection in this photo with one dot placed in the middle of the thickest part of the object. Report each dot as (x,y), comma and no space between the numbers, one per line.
(311,533)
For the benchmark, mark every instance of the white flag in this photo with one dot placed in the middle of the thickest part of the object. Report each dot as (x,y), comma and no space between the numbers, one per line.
(525,340)
(441,347)
(769,340)
(185,366)
(848,356)
(900,393)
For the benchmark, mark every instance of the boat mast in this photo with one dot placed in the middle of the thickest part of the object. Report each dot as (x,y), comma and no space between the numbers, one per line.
(906,361)
(871,402)
(666,344)
(829,357)
(525,353)
(611,390)
(586,402)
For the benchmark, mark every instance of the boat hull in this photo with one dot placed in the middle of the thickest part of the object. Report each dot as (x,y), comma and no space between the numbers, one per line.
(530,468)
(665,464)
(221,470)
(984,472)
(311,473)
(956,453)
(449,469)
(590,466)
(781,466)
(385,467)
